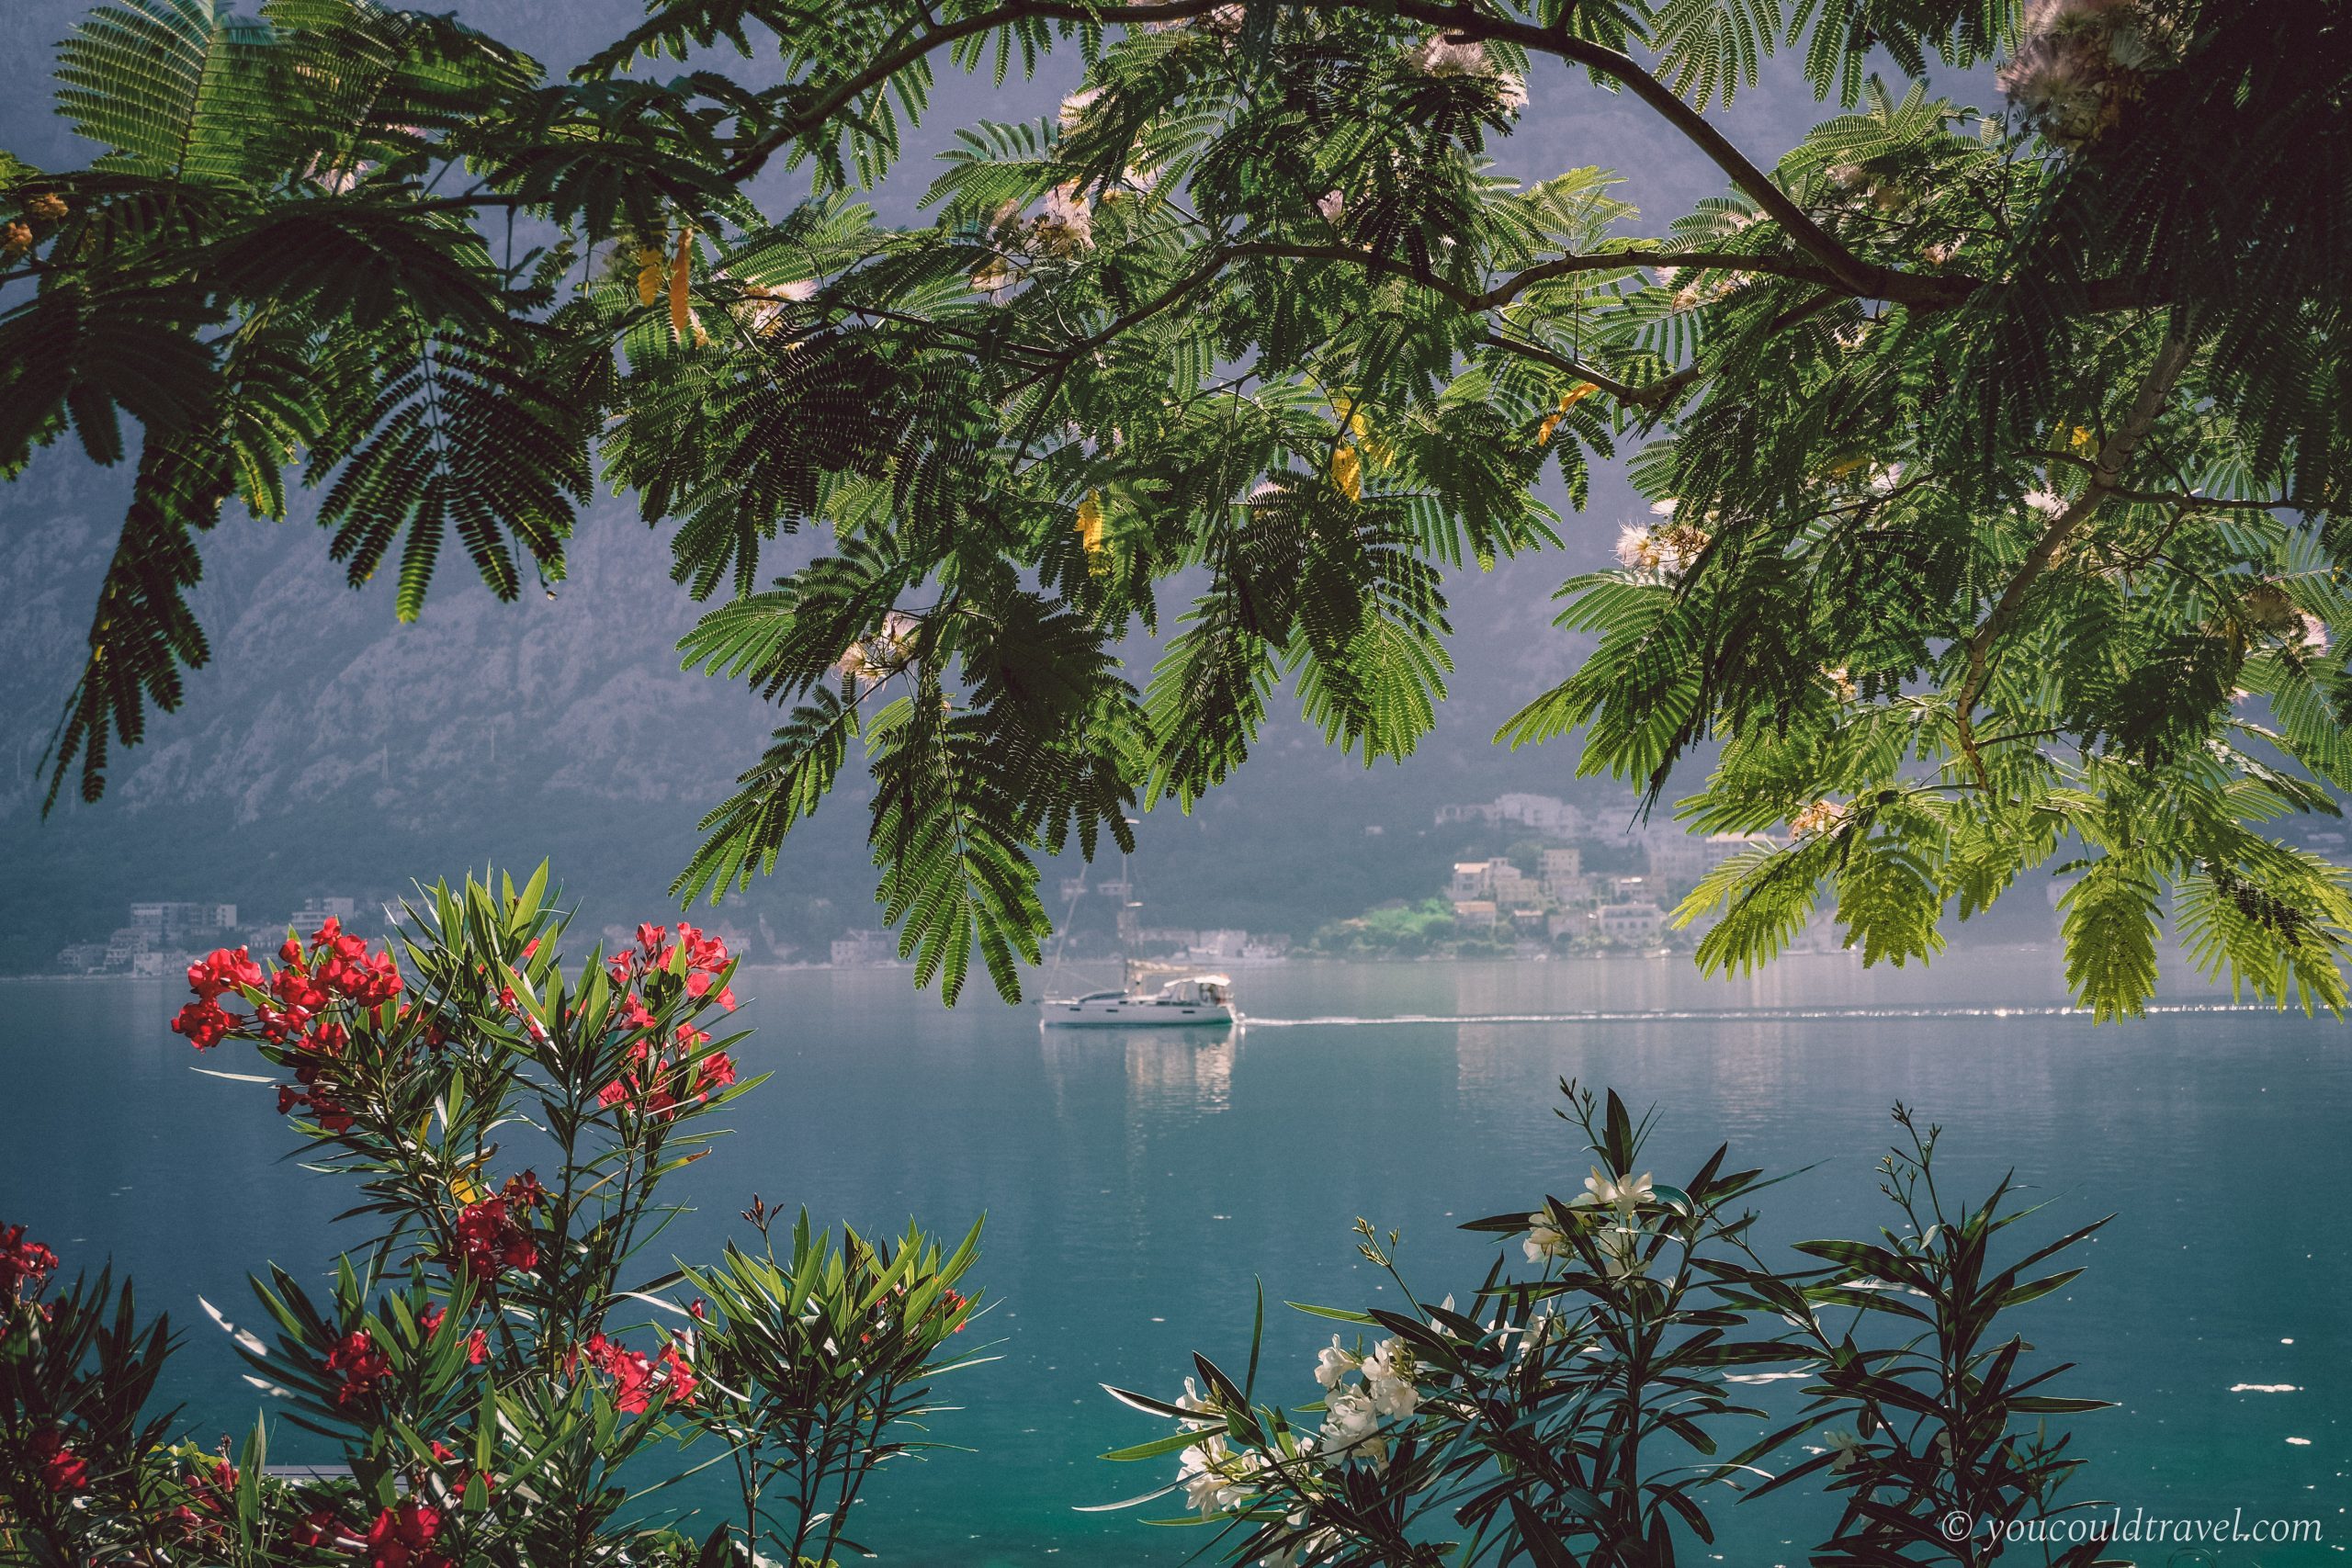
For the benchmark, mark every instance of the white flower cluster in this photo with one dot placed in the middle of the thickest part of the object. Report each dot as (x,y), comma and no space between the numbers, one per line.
(1437,55)
(1361,1391)
(871,660)
(2080,63)
(1662,552)
(1352,1411)
(763,303)
(1066,226)
(1821,816)
(1619,1239)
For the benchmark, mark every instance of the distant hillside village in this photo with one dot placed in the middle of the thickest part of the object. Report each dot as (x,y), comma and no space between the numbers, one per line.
(164,938)
(1538,895)
(1550,878)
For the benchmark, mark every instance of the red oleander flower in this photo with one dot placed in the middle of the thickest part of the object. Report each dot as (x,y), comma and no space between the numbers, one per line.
(680,1375)
(211,1490)
(206,1023)
(631,1371)
(403,1537)
(222,970)
(951,1302)
(361,1366)
(22,1262)
(715,1071)
(489,1238)
(331,1116)
(639,1380)
(477,1342)
(523,1191)
(61,1468)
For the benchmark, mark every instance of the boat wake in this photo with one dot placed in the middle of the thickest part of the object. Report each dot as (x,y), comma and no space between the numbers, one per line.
(1735,1015)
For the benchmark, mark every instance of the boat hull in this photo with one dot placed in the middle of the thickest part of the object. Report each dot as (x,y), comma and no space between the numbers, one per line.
(1135,1015)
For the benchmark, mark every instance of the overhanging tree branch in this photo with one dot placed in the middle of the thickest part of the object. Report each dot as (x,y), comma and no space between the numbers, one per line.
(2105,482)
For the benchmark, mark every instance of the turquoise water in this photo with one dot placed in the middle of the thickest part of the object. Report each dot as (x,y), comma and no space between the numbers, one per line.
(1136,1186)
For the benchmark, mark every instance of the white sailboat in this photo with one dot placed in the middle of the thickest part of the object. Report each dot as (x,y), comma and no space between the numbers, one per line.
(1182,1000)
(1185,1000)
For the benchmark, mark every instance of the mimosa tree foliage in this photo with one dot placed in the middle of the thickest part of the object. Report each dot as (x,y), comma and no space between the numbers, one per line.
(1998,453)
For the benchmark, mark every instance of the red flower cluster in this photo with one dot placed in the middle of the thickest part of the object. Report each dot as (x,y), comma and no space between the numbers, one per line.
(22,1263)
(210,1490)
(491,1237)
(403,1537)
(336,967)
(638,1379)
(659,1079)
(62,1470)
(706,959)
(952,1303)
(476,1343)
(343,965)
(361,1366)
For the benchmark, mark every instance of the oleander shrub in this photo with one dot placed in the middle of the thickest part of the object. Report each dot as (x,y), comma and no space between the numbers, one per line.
(504,1372)
(1593,1409)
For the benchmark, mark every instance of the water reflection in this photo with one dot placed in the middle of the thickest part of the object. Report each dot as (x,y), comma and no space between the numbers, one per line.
(1165,1070)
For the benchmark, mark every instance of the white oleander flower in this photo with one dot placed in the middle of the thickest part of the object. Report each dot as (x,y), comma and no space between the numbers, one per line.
(1207,1474)
(1388,1380)
(1191,1400)
(1846,1444)
(1545,1239)
(1624,1192)
(1350,1423)
(1620,1252)
(1333,1363)
(1331,204)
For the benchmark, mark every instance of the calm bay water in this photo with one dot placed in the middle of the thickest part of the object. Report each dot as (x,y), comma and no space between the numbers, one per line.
(1136,1186)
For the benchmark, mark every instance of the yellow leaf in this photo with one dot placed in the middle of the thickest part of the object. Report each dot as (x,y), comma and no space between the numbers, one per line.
(1091,522)
(1347,472)
(650,268)
(465,1189)
(681,271)
(2085,439)
(1569,400)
